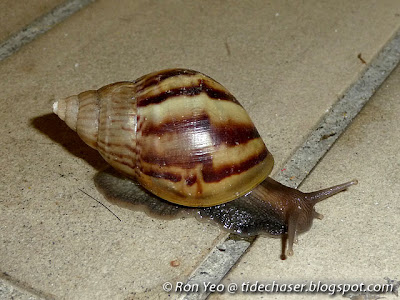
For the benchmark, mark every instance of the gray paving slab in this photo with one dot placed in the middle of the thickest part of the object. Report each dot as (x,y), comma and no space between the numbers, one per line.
(279,59)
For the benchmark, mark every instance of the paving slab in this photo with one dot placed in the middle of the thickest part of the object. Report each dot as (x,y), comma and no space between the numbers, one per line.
(286,62)
(357,241)
(15,15)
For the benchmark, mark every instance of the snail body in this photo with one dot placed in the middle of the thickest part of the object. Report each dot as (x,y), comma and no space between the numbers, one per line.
(186,139)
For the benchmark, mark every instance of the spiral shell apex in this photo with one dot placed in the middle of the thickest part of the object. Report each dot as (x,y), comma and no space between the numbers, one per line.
(179,133)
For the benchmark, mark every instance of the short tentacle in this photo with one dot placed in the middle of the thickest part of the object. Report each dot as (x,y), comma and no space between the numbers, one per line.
(317,215)
(292,231)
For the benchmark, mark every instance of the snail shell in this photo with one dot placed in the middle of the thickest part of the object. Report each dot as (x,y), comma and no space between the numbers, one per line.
(179,133)
(186,139)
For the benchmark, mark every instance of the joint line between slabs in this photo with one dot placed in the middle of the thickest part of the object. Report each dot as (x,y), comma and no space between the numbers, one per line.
(40,26)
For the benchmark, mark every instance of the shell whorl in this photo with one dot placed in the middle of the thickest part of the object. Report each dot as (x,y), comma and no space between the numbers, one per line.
(105,119)
(181,134)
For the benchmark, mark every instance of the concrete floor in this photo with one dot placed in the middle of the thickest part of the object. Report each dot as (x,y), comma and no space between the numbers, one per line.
(58,243)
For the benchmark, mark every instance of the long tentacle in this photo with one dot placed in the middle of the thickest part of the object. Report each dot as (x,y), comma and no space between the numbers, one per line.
(317,196)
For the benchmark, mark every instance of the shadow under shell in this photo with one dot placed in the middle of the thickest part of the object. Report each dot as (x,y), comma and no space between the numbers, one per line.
(245,216)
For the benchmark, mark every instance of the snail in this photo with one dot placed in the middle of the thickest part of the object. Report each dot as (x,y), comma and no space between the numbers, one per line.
(186,139)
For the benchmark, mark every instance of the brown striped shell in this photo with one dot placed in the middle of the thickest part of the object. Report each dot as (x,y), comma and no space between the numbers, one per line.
(178,132)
